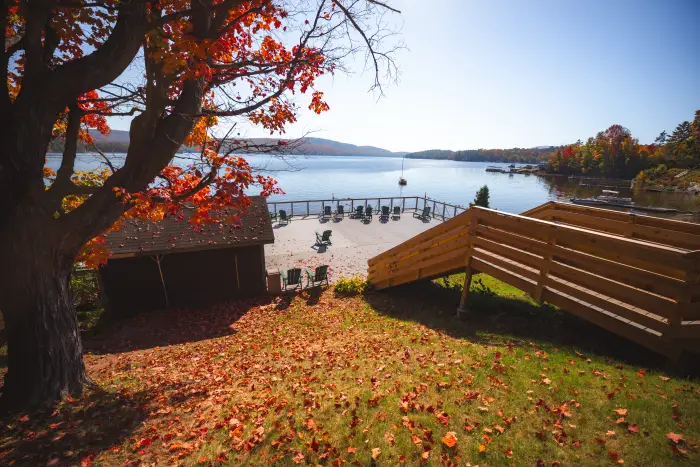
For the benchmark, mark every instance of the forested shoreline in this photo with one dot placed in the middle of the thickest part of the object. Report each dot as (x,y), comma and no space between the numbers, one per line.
(613,153)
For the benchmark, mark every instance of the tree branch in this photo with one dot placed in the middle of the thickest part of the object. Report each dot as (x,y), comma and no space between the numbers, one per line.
(107,62)
(58,190)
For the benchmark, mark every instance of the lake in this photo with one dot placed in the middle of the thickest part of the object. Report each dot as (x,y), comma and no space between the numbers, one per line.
(455,182)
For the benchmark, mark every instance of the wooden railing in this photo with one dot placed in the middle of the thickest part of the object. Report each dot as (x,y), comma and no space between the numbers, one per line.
(638,278)
(305,208)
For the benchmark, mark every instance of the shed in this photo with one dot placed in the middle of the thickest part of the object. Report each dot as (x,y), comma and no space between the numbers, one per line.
(170,264)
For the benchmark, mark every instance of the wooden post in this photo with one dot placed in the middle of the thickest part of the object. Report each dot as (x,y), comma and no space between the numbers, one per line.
(433,209)
(629,231)
(546,264)
(469,272)
(403,205)
(464,301)
(444,206)
(416,203)
(455,212)
(291,212)
(307,208)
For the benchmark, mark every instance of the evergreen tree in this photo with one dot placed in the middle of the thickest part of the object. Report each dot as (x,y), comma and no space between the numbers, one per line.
(482,197)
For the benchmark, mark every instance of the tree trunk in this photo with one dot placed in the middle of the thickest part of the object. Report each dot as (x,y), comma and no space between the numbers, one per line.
(44,348)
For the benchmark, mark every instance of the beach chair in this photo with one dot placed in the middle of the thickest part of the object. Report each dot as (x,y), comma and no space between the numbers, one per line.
(340,211)
(283,217)
(359,214)
(325,238)
(291,277)
(327,214)
(397,213)
(386,210)
(319,275)
(425,215)
(273,216)
(368,214)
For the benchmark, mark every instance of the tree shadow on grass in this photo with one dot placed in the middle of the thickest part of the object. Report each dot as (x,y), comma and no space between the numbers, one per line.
(78,429)
(496,318)
(169,327)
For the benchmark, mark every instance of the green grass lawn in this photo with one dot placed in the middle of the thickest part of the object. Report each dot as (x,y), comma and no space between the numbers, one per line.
(384,378)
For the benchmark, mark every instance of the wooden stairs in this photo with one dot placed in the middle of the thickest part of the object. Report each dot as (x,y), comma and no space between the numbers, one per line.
(635,275)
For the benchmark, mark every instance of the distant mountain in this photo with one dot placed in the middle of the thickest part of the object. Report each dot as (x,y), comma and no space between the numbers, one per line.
(118,141)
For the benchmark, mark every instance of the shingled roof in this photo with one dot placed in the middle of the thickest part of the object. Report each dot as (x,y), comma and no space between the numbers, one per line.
(171,235)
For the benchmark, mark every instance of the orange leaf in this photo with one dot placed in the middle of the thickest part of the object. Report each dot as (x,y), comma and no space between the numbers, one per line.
(675,438)
(450,439)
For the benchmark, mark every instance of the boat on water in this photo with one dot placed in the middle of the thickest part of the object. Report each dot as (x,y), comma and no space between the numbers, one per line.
(402,181)
(612,198)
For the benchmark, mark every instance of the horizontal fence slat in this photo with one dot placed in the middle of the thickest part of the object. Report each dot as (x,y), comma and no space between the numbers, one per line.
(610,323)
(460,244)
(503,275)
(509,252)
(639,219)
(450,236)
(619,291)
(460,219)
(607,305)
(455,257)
(643,232)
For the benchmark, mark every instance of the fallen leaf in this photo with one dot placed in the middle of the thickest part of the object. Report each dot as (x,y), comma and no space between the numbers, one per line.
(633,428)
(675,438)
(450,439)
(482,448)
(376,452)
(621,412)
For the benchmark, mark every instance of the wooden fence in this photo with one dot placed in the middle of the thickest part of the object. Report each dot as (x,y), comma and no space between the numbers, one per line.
(305,208)
(637,276)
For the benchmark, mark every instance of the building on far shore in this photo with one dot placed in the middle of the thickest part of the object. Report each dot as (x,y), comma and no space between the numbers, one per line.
(168,264)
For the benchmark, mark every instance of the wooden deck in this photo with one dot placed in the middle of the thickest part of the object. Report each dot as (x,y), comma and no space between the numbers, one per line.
(637,276)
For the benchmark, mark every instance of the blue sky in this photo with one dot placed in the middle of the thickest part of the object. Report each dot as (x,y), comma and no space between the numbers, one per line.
(486,74)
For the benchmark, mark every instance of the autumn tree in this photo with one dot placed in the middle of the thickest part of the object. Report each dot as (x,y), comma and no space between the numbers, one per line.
(201,62)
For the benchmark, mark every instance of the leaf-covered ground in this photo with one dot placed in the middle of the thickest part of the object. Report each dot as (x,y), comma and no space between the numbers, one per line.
(387,378)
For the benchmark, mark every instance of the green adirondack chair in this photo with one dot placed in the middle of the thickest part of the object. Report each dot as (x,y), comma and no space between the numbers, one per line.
(327,213)
(359,212)
(325,238)
(291,277)
(386,210)
(318,276)
(397,212)
(283,217)
(425,215)
(340,211)
(368,213)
